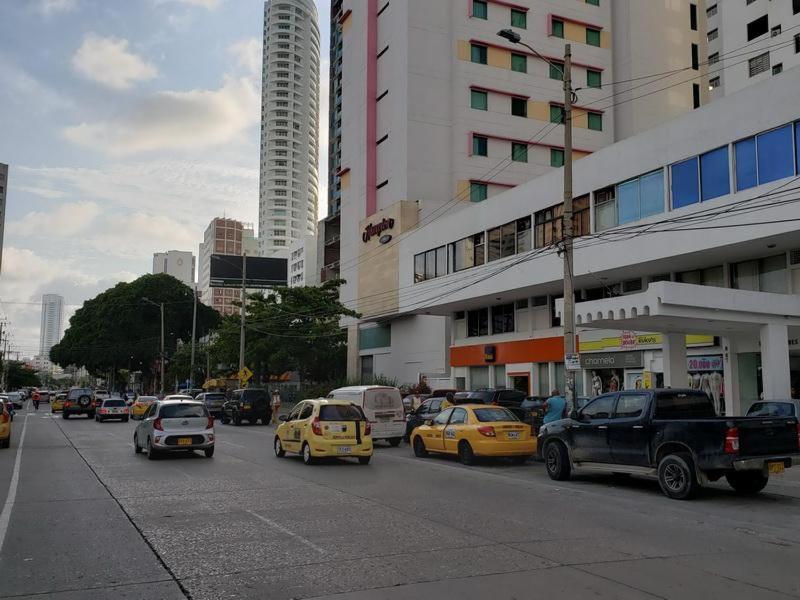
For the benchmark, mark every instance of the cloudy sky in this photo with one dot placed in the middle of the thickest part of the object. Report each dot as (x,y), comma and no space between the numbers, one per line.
(128,125)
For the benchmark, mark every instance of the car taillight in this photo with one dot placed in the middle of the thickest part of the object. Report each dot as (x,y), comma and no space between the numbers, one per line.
(210,423)
(67,404)
(486,430)
(316,427)
(157,424)
(368,428)
(732,440)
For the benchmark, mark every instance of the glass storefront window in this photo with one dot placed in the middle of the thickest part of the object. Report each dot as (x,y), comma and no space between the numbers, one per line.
(499,376)
(543,379)
(478,377)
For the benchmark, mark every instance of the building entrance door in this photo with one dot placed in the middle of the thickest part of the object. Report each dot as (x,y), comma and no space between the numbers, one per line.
(521,382)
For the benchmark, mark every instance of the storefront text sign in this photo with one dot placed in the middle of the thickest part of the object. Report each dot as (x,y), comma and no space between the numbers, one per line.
(612,360)
(376,229)
(704,363)
(627,340)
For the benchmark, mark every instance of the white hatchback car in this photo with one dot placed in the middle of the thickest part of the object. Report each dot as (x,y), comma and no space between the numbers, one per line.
(173,425)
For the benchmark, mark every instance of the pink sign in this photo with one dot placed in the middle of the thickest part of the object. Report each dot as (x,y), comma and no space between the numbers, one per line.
(628,340)
(704,363)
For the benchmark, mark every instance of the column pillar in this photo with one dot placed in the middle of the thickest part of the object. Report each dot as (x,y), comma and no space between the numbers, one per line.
(730,362)
(775,377)
(674,352)
(551,376)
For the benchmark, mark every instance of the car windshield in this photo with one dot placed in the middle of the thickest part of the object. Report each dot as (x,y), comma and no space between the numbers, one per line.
(182,411)
(340,412)
(253,395)
(771,409)
(494,414)
(214,397)
(114,403)
(75,394)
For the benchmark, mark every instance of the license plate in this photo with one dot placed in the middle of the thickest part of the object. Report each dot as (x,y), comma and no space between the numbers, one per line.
(776,468)
(344,450)
(184,441)
(513,435)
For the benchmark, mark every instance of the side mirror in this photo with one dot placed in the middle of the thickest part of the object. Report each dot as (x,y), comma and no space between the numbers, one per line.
(283,418)
(573,414)
(428,422)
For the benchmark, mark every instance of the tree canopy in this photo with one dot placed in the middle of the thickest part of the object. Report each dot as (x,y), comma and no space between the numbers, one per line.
(290,329)
(118,328)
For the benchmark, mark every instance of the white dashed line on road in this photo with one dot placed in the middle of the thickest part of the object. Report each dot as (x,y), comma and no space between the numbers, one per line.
(5,515)
(286,531)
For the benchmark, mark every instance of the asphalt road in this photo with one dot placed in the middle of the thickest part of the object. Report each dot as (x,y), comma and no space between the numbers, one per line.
(87,518)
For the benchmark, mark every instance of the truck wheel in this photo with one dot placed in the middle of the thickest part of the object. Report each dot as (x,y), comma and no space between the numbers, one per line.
(676,476)
(556,461)
(747,482)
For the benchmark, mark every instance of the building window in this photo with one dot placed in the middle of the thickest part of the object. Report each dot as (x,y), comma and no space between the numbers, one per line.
(593,37)
(519,107)
(693,17)
(519,152)
(556,71)
(605,208)
(479,100)
(764,275)
(503,319)
(523,234)
(711,276)
(713,58)
(775,31)
(594,79)
(757,28)
(478,192)
(777,69)
(549,222)
(430,264)
(519,18)
(593,2)
(556,157)
(502,241)
(557,28)
(764,158)
(375,337)
(711,11)
(795,7)
(713,34)
(695,57)
(758,64)
(479,9)
(468,252)
(480,145)
(797,43)
(696,95)
(478,54)
(714,82)
(478,322)
(556,113)
(596,121)
(685,183)
(640,197)
(519,63)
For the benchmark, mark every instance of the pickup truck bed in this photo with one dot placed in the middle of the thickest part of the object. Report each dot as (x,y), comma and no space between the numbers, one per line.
(674,435)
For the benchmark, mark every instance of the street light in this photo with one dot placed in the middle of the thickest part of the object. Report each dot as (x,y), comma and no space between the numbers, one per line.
(568,321)
(161,306)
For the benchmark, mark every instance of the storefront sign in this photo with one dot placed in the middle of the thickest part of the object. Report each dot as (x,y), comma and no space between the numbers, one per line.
(704,363)
(572,362)
(376,229)
(599,339)
(647,380)
(489,354)
(612,360)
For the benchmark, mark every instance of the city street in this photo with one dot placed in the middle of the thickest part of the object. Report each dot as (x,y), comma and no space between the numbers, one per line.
(85,517)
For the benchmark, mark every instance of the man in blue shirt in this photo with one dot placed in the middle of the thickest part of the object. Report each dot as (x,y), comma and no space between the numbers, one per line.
(554,407)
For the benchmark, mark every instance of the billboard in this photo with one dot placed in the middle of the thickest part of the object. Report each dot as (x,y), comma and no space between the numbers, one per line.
(226,271)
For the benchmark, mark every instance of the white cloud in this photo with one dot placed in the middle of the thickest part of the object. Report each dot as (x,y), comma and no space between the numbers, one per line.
(52,7)
(108,62)
(67,220)
(20,87)
(46,193)
(175,121)
(209,4)
(248,54)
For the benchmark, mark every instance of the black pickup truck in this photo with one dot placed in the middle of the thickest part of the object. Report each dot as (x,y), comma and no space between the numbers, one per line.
(674,435)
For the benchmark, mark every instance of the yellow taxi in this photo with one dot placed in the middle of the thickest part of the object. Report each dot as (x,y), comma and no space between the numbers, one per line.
(472,430)
(140,406)
(5,426)
(57,403)
(324,428)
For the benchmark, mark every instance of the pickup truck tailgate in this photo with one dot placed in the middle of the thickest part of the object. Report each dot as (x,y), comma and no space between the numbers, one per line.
(765,436)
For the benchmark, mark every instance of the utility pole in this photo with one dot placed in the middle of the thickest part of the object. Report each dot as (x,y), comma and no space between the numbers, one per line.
(568,322)
(568,317)
(194,339)
(244,299)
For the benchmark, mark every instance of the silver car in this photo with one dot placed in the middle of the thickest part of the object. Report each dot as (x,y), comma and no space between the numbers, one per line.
(175,425)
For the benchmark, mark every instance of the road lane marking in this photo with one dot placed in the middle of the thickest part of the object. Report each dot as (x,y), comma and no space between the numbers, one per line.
(231,443)
(5,515)
(286,531)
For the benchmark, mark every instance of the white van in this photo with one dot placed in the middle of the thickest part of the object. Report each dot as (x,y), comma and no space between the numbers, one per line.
(382,405)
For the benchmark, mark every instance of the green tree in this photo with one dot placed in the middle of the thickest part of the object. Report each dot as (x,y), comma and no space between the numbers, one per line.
(19,376)
(118,330)
(290,329)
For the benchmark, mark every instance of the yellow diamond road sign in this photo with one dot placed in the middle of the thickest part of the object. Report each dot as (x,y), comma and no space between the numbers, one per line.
(245,374)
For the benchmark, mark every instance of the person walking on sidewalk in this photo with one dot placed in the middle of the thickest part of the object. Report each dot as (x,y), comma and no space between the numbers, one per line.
(554,407)
(276,406)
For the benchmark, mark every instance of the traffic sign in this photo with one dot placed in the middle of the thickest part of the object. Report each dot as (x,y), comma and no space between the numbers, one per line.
(245,374)
(572,362)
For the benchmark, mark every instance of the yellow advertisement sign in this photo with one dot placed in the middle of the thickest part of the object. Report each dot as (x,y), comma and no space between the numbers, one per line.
(630,340)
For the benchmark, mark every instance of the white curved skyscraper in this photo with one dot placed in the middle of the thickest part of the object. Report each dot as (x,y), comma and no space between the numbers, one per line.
(289,181)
